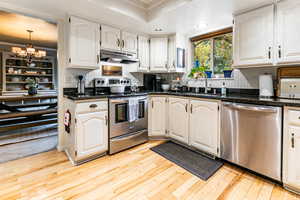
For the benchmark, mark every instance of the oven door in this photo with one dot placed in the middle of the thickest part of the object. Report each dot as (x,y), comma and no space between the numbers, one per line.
(118,113)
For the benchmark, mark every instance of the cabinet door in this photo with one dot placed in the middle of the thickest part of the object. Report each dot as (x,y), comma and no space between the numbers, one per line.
(143,53)
(84,43)
(253,37)
(178,119)
(129,42)
(110,38)
(91,134)
(204,126)
(291,171)
(172,54)
(158,54)
(157,116)
(288,48)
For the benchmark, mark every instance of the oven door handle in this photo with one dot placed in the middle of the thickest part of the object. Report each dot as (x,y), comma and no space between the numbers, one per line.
(118,101)
(126,137)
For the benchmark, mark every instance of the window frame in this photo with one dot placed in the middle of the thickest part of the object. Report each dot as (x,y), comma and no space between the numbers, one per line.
(210,36)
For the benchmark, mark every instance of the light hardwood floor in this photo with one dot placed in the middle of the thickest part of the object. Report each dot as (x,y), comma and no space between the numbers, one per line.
(137,173)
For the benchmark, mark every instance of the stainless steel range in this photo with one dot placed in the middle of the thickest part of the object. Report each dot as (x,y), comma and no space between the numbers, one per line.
(123,131)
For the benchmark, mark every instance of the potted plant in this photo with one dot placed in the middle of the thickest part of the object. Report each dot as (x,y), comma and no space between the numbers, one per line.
(197,72)
(227,72)
(32,86)
(208,72)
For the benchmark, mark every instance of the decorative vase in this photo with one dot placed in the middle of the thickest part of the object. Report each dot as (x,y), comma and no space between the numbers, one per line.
(32,90)
(208,74)
(227,73)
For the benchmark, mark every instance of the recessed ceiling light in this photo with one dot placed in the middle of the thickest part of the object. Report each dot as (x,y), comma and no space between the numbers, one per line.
(200,26)
(158,29)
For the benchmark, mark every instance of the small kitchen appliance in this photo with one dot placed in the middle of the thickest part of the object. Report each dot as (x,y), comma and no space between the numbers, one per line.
(288,82)
(81,85)
(266,88)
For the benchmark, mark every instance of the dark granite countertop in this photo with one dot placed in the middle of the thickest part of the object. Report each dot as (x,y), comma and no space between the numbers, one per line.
(238,98)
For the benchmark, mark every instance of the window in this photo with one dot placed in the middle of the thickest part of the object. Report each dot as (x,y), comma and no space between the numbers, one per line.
(213,51)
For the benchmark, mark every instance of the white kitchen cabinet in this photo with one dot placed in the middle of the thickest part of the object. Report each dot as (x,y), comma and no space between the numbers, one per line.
(291,149)
(91,132)
(288,48)
(84,39)
(172,54)
(110,38)
(254,37)
(144,53)
(129,42)
(157,116)
(178,119)
(159,54)
(87,136)
(204,126)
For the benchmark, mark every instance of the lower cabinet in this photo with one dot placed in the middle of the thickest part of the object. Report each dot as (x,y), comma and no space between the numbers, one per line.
(179,119)
(291,149)
(190,121)
(86,129)
(157,116)
(91,133)
(204,126)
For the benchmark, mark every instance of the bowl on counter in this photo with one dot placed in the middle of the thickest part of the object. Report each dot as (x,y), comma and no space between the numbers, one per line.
(165,87)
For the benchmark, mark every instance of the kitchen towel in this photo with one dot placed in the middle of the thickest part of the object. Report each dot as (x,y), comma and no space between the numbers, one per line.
(133,110)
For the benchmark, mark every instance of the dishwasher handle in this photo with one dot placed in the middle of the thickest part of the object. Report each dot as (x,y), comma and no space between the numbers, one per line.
(251,108)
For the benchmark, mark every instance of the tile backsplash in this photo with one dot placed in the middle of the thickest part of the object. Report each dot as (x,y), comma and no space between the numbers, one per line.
(72,74)
(247,78)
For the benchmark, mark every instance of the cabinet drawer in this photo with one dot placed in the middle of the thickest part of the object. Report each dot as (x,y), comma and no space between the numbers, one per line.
(91,106)
(294,117)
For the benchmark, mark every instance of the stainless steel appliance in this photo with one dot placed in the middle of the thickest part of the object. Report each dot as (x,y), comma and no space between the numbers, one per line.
(251,136)
(123,133)
(290,88)
(118,57)
(116,85)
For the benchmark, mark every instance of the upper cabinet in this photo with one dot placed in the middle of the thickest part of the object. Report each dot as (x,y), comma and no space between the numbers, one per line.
(159,54)
(253,37)
(144,53)
(172,54)
(268,35)
(129,42)
(83,43)
(110,38)
(115,39)
(288,48)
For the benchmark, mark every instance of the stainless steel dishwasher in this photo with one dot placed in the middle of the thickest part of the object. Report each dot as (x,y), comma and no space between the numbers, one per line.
(251,136)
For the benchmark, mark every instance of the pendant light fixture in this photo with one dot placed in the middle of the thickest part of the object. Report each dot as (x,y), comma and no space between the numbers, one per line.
(29,52)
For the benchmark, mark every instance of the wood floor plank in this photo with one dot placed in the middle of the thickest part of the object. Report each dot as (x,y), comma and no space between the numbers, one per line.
(137,173)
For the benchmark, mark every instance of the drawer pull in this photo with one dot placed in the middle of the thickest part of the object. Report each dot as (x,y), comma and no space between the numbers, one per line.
(93,106)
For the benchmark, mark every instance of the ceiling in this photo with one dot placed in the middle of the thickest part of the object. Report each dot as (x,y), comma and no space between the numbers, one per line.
(190,17)
(14,28)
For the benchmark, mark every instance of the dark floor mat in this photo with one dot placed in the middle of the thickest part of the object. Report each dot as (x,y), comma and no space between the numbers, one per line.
(197,164)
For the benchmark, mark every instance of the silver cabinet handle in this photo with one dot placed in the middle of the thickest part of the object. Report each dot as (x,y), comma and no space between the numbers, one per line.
(269,53)
(118,42)
(93,106)
(293,140)
(279,51)
(186,108)
(106,121)
(191,108)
